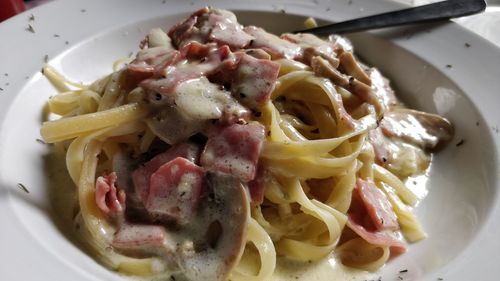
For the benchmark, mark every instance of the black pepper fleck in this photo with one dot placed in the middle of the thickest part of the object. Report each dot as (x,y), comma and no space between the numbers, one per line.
(242,95)
(83,10)
(462,141)
(46,58)
(31,18)
(449,66)
(66,42)
(384,159)
(6,74)
(467,45)
(57,35)
(23,188)
(282,11)
(403,271)
(30,28)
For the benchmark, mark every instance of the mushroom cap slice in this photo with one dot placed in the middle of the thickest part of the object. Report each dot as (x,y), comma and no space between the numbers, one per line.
(219,231)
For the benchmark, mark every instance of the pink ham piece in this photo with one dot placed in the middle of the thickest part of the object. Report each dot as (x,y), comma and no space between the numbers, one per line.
(225,30)
(212,61)
(234,150)
(175,190)
(153,60)
(381,238)
(256,187)
(135,237)
(255,79)
(372,218)
(380,146)
(278,48)
(142,175)
(377,205)
(210,25)
(108,199)
(186,29)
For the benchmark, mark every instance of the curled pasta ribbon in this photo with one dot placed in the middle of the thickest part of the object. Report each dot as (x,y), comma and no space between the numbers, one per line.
(331,222)
(360,254)
(98,230)
(257,236)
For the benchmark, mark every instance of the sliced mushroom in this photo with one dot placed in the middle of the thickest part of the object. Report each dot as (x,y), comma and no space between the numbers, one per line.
(426,130)
(172,126)
(219,232)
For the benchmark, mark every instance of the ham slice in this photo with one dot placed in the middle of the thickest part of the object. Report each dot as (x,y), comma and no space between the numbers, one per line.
(278,48)
(377,205)
(381,238)
(255,79)
(210,25)
(256,187)
(136,237)
(109,199)
(141,176)
(175,190)
(225,30)
(186,29)
(234,150)
(371,217)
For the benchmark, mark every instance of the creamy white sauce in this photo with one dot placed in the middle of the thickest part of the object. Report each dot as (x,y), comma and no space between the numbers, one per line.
(327,269)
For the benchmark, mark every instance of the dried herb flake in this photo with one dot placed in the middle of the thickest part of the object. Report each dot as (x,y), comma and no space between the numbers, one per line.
(30,28)
(23,187)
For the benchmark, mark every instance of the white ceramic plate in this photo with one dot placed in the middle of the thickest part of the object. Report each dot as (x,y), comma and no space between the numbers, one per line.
(440,68)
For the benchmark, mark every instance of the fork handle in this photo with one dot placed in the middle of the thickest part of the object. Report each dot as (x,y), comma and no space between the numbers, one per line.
(423,14)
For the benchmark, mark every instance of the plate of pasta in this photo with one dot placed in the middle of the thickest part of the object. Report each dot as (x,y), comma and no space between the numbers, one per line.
(174,140)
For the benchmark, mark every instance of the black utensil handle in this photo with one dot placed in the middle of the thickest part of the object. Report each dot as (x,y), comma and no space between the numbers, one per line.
(427,13)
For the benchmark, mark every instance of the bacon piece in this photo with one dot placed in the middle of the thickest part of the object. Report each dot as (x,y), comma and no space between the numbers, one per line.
(234,150)
(377,205)
(135,237)
(141,176)
(225,30)
(109,199)
(255,79)
(380,146)
(214,60)
(175,190)
(210,25)
(256,187)
(381,238)
(186,29)
(272,44)
(153,59)
(371,216)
